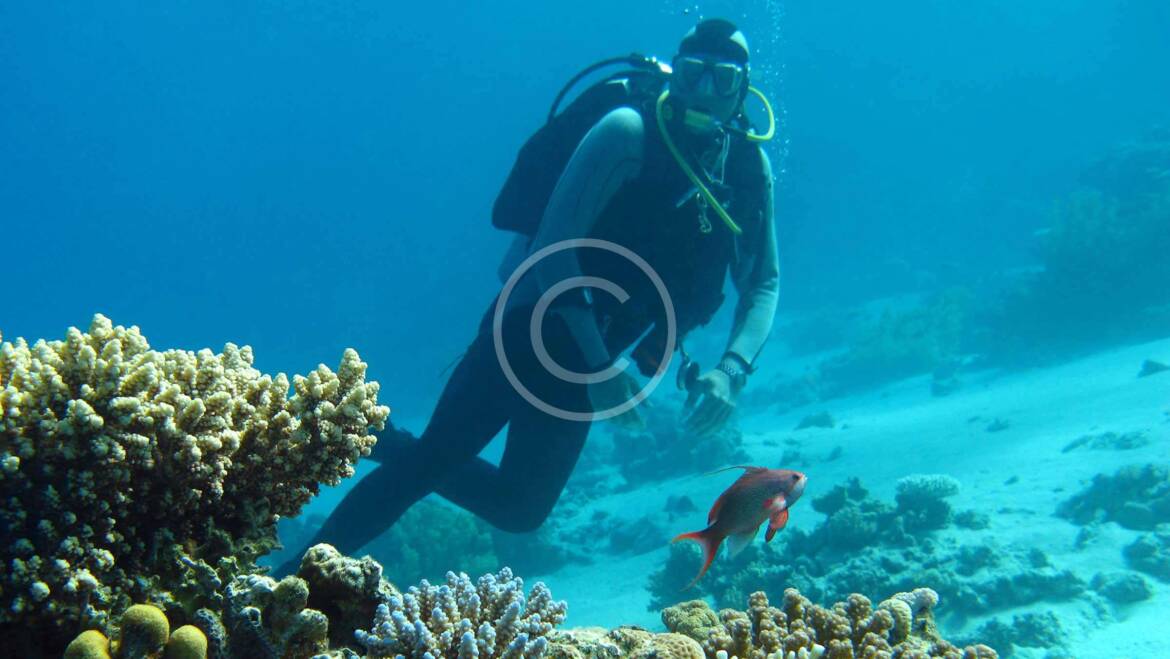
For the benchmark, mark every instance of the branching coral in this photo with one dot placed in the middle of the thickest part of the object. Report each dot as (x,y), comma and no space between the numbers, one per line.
(488,618)
(922,500)
(112,453)
(902,626)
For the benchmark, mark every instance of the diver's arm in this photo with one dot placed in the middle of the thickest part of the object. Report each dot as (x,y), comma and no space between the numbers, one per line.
(610,155)
(513,257)
(758,285)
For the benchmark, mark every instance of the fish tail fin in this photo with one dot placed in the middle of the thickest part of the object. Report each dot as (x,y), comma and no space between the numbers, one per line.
(710,544)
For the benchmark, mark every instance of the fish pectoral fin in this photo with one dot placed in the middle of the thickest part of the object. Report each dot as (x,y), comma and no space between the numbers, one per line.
(779,520)
(737,542)
(776,504)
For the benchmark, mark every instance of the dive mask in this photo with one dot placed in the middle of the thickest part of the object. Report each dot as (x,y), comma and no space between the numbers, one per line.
(726,77)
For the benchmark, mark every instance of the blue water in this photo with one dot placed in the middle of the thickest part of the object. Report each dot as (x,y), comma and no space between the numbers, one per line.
(305,177)
(301,178)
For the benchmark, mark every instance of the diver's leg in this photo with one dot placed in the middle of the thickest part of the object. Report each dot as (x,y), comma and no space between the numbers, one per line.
(471,411)
(541,448)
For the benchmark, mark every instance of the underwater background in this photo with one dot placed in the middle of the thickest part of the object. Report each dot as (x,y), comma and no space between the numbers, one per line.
(973,216)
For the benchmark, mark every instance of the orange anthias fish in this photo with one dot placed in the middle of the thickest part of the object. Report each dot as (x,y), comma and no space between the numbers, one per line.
(759,494)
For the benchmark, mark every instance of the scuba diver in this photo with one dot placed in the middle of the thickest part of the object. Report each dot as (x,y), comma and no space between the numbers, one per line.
(661,162)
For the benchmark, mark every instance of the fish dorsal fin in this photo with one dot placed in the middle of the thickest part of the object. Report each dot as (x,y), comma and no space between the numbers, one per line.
(747,469)
(719,502)
(738,541)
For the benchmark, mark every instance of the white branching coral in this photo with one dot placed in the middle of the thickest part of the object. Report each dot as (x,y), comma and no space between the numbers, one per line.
(110,452)
(461,619)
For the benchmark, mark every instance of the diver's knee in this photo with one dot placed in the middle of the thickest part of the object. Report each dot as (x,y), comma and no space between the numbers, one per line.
(526,519)
(520,525)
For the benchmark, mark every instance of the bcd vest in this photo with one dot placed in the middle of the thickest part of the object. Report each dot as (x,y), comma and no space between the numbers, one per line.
(660,217)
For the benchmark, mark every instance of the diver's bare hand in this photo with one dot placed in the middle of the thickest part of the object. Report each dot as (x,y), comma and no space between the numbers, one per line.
(713,401)
(615,391)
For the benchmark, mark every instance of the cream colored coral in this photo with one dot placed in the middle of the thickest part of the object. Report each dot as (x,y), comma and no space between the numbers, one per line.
(903,617)
(110,450)
(803,630)
(626,642)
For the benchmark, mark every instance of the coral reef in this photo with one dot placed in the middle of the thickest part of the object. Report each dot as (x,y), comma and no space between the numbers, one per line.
(490,617)
(89,644)
(625,642)
(1033,630)
(143,631)
(1117,228)
(1109,441)
(186,642)
(1136,497)
(327,611)
(864,546)
(270,619)
(922,501)
(1150,553)
(433,538)
(899,344)
(115,460)
(347,590)
(1122,587)
(899,627)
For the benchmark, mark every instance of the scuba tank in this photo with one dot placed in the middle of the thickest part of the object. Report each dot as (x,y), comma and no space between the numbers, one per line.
(521,202)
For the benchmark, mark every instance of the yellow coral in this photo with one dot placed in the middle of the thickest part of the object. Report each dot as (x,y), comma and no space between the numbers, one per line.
(89,644)
(694,619)
(674,646)
(144,632)
(187,642)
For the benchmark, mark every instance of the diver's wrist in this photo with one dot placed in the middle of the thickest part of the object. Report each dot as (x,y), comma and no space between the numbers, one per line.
(736,360)
(736,370)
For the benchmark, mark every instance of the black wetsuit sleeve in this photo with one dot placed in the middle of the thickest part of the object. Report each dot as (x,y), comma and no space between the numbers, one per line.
(610,155)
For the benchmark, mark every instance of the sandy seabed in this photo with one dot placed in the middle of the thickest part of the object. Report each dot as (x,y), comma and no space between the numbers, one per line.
(1016,475)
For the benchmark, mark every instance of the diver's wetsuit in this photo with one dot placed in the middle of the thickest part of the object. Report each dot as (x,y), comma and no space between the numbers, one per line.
(478,400)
